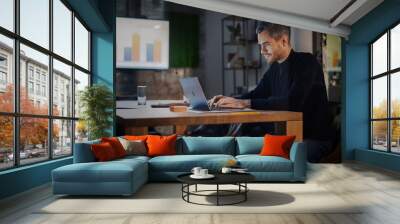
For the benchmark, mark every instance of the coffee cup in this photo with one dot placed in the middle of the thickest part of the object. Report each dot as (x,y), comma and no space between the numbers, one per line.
(196,171)
(226,170)
(203,172)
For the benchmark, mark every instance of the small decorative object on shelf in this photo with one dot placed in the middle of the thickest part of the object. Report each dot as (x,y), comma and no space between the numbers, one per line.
(239,62)
(235,32)
(241,55)
(231,59)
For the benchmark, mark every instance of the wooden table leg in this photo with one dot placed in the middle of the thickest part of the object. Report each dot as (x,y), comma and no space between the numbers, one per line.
(295,128)
(136,130)
(180,129)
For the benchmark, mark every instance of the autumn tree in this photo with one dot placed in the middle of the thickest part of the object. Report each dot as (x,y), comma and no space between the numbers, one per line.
(396,124)
(380,127)
(33,131)
(6,122)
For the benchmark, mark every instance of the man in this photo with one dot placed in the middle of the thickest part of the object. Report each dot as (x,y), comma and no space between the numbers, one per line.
(294,82)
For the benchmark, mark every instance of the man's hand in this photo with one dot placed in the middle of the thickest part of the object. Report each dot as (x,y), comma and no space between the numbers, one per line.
(221,101)
(229,102)
(214,100)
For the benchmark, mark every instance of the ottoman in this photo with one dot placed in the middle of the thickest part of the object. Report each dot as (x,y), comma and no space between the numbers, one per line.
(119,177)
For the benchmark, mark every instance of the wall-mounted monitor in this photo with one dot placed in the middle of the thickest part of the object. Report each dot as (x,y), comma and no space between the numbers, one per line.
(142,43)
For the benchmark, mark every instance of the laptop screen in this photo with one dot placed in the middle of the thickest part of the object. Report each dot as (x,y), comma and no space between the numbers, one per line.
(193,91)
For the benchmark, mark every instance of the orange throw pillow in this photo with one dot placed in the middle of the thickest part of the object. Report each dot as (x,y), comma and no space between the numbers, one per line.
(103,152)
(161,145)
(136,137)
(116,145)
(277,145)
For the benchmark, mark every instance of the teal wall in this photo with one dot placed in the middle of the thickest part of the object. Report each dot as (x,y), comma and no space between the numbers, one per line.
(103,65)
(99,16)
(24,178)
(90,12)
(356,85)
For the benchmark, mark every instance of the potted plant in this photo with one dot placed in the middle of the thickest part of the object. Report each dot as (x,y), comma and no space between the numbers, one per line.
(235,32)
(96,103)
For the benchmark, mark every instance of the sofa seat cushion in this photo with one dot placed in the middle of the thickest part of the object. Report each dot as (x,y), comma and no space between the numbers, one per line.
(112,171)
(185,163)
(133,157)
(257,163)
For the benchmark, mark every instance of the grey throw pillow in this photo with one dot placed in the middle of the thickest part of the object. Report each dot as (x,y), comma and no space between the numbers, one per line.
(137,147)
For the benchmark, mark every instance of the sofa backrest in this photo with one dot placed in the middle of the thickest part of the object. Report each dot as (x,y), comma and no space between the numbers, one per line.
(83,152)
(191,146)
(206,145)
(249,145)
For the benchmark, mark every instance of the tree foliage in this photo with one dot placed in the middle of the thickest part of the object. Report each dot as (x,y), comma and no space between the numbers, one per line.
(96,102)
(33,131)
(380,127)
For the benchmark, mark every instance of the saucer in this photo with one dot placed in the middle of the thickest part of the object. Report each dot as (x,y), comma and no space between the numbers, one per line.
(208,176)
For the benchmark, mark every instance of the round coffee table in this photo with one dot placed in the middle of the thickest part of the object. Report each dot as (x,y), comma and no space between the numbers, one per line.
(238,179)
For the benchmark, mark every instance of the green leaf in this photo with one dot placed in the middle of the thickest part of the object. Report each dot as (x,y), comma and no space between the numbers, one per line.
(96,102)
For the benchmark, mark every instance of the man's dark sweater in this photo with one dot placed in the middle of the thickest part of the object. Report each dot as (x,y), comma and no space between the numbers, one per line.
(297,84)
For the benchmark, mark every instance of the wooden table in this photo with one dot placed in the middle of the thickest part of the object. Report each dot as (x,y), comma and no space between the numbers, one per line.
(137,119)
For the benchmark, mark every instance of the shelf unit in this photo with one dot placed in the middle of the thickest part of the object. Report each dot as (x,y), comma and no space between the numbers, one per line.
(241,55)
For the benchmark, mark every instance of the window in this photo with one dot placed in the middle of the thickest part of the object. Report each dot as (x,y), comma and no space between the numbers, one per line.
(385,94)
(62,74)
(6,142)
(38,89)
(37,74)
(62,29)
(33,148)
(81,45)
(395,47)
(3,61)
(3,72)
(81,81)
(44,91)
(30,87)
(3,78)
(34,21)
(62,137)
(6,73)
(7,14)
(43,77)
(45,131)
(30,72)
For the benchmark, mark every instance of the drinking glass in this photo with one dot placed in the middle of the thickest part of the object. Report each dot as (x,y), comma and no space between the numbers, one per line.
(141,95)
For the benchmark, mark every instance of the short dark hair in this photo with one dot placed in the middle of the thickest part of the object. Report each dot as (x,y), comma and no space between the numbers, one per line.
(274,30)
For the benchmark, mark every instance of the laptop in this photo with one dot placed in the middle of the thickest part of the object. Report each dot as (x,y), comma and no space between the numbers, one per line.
(198,101)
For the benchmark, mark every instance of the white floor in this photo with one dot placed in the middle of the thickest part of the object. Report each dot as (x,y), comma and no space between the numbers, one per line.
(377,189)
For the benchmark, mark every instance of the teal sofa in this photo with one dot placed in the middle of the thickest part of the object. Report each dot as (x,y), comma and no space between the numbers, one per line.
(125,176)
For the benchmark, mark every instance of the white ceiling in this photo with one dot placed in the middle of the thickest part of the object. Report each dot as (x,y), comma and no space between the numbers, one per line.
(321,9)
(314,15)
